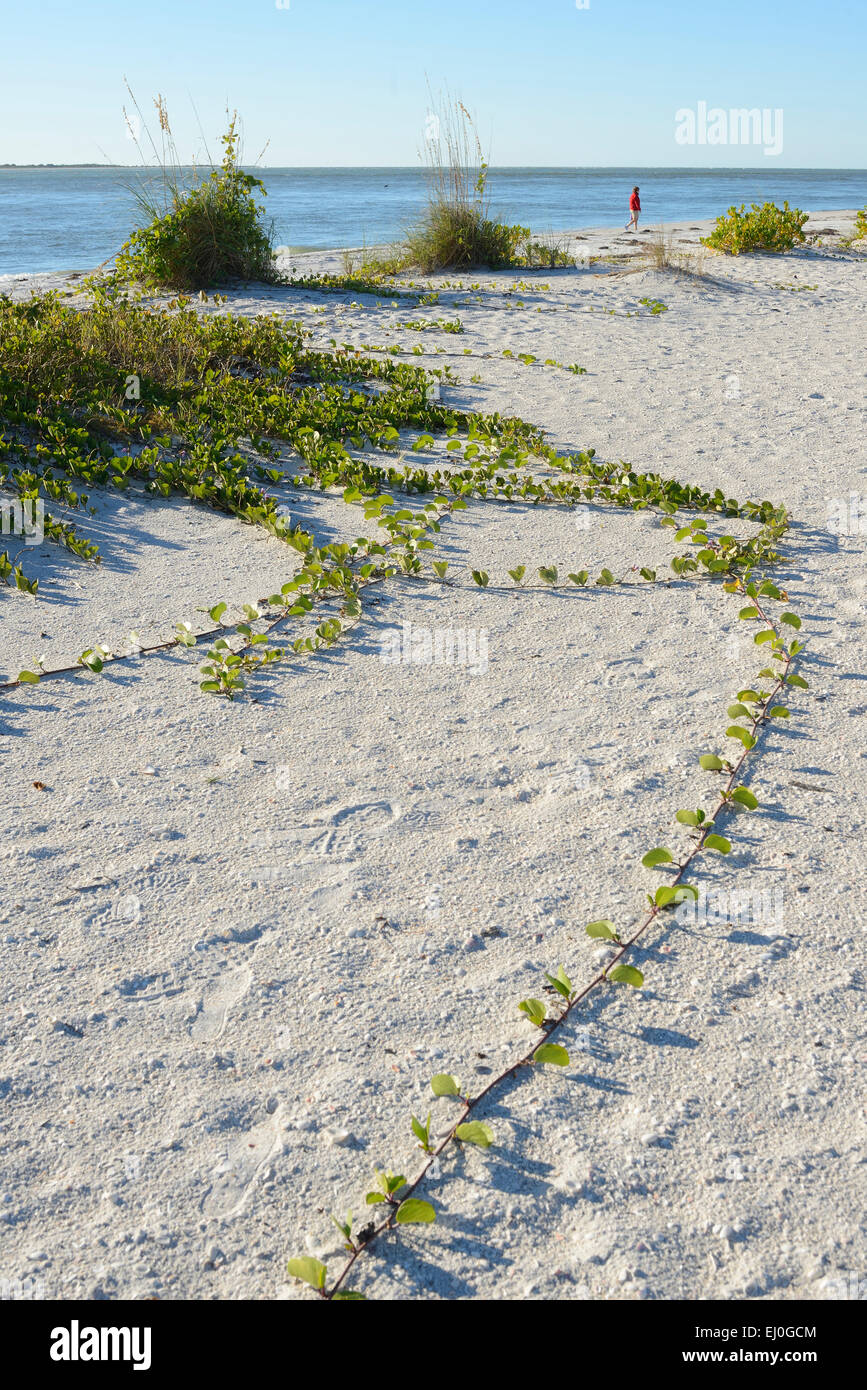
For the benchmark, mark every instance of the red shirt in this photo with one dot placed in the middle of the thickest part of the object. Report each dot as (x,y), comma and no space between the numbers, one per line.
(635,203)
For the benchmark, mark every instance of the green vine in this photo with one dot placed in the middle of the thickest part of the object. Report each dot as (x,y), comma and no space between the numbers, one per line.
(218,401)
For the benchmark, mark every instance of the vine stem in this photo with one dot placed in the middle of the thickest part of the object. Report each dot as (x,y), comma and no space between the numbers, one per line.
(271,625)
(758,721)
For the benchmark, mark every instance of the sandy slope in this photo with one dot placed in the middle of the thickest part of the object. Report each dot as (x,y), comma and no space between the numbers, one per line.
(238,939)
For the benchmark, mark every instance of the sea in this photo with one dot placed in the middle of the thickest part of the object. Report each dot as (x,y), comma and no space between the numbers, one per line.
(77,218)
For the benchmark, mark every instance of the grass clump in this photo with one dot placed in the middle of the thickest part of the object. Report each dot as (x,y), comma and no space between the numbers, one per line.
(662,253)
(764,228)
(201,236)
(375,264)
(456,231)
(455,236)
(549,252)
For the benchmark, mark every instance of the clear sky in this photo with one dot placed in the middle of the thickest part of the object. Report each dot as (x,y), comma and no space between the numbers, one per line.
(343,82)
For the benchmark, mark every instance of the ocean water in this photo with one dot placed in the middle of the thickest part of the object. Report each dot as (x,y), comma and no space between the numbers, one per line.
(77,218)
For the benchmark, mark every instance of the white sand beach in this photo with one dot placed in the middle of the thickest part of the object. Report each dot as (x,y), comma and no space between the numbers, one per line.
(239,938)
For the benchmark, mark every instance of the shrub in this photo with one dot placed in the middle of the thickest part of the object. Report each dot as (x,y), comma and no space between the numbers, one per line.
(860,224)
(204,235)
(763,228)
(455,237)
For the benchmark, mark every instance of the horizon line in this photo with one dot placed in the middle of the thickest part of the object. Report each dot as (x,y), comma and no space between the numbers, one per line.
(420,168)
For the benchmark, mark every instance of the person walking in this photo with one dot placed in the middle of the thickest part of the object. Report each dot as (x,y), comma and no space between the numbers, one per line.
(635,209)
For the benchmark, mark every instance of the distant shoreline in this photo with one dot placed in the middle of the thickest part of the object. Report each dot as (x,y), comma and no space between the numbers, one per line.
(80,216)
(584,242)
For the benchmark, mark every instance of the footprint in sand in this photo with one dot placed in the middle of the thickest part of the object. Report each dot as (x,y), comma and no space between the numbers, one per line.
(211,1019)
(238,1166)
(627,673)
(348,826)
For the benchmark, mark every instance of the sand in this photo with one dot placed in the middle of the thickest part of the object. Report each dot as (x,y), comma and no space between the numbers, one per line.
(238,939)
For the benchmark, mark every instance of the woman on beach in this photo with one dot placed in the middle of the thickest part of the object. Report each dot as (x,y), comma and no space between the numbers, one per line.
(635,209)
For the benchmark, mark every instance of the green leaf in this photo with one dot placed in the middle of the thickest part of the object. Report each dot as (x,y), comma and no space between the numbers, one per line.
(373,1197)
(746,738)
(548,573)
(345,1228)
(657,856)
(552,1054)
(797,681)
(444,1085)
(561,982)
(711,763)
(312,1272)
(778,712)
(475,1133)
(687,817)
(605,579)
(416,1213)
(535,1011)
(667,894)
(518,573)
(718,842)
(421,1132)
(347,1295)
(751,697)
(767,635)
(216,613)
(736,711)
(28,678)
(748,613)
(440,568)
(792,619)
(481,578)
(580,578)
(626,975)
(602,930)
(745,798)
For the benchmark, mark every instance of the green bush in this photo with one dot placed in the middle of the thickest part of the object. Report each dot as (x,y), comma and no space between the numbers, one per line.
(861,224)
(763,228)
(459,236)
(206,235)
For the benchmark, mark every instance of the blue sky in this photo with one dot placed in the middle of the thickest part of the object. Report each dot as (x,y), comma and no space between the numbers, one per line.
(342,82)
